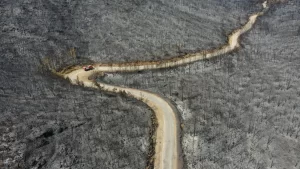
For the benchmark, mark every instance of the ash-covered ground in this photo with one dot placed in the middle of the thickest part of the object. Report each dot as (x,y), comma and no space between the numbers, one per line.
(238,111)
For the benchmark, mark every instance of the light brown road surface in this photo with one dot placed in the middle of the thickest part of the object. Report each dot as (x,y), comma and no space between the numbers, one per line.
(168,153)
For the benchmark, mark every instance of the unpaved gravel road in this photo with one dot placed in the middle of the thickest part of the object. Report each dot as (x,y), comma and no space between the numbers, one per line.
(167,148)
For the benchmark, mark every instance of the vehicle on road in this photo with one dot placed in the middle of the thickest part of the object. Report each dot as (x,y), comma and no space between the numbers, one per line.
(89,67)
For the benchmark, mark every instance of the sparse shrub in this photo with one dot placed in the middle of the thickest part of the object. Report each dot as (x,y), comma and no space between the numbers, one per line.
(63,62)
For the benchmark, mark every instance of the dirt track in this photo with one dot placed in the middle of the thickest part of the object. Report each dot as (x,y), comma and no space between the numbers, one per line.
(167,149)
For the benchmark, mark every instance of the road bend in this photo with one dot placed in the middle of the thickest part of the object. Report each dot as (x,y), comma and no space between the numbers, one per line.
(168,153)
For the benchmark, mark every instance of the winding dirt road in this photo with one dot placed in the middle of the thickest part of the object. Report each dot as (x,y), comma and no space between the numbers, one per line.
(168,153)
